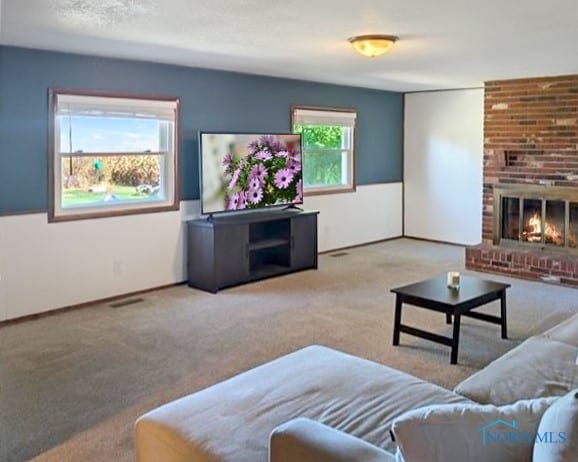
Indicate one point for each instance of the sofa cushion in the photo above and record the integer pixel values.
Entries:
(565, 332)
(232, 420)
(537, 367)
(304, 440)
(559, 431)
(470, 432)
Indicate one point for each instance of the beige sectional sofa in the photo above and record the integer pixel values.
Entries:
(543, 365)
(318, 404)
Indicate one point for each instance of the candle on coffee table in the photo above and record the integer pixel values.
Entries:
(453, 279)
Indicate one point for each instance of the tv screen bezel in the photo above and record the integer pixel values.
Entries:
(264, 207)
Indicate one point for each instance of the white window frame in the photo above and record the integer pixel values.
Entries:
(63, 102)
(309, 115)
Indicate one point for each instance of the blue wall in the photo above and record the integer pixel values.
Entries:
(210, 100)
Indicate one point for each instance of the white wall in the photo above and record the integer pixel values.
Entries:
(443, 156)
(47, 266)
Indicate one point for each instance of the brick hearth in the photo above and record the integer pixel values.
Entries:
(525, 264)
(530, 138)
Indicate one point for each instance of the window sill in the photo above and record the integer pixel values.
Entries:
(329, 190)
(89, 215)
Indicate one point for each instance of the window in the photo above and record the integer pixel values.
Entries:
(328, 148)
(111, 155)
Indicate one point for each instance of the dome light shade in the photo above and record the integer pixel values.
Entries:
(373, 45)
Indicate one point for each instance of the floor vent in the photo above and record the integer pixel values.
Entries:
(339, 254)
(128, 301)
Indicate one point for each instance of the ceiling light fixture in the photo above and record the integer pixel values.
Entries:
(373, 45)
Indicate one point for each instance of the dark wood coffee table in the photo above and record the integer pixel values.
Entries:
(433, 294)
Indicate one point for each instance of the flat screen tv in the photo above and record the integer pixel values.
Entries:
(244, 171)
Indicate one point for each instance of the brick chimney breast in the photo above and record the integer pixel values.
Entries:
(530, 138)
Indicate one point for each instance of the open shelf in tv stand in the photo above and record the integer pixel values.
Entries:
(233, 249)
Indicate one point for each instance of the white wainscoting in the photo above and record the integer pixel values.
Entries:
(372, 213)
(48, 266)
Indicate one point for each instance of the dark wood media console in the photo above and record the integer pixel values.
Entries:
(229, 250)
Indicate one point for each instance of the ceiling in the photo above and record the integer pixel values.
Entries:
(443, 43)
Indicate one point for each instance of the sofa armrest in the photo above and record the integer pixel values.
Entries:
(303, 440)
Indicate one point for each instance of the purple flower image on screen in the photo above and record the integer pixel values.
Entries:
(294, 165)
(283, 178)
(228, 159)
(263, 155)
(235, 178)
(242, 200)
(299, 197)
(255, 196)
(294, 155)
(267, 173)
(234, 202)
(254, 183)
(229, 163)
(299, 187)
(266, 139)
(259, 171)
(272, 142)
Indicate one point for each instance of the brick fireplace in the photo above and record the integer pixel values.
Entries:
(530, 196)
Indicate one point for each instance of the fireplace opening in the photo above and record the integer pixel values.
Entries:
(510, 218)
(532, 221)
(554, 232)
(550, 221)
(573, 225)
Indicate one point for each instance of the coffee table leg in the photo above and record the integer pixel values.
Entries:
(397, 321)
(503, 314)
(455, 339)
(448, 318)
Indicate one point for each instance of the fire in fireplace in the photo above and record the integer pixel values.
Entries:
(551, 219)
(533, 231)
(552, 230)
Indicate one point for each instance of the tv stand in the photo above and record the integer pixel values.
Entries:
(234, 249)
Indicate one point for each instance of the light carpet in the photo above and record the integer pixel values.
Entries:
(72, 384)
